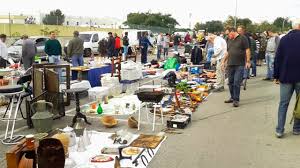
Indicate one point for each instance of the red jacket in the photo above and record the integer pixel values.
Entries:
(117, 43)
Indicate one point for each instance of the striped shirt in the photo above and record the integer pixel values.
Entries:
(257, 46)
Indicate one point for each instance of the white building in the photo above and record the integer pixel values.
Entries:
(14, 19)
(106, 22)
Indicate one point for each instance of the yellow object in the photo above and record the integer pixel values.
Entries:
(65, 140)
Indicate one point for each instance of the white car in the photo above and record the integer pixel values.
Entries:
(91, 40)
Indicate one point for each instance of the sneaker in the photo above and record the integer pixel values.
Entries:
(236, 104)
(252, 75)
(228, 101)
(296, 132)
(279, 135)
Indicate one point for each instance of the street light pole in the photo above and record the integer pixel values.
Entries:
(235, 15)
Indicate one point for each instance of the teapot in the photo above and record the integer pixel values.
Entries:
(70, 131)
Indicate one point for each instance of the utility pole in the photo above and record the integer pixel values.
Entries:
(235, 15)
(9, 24)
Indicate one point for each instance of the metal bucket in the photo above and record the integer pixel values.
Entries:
(43, 116)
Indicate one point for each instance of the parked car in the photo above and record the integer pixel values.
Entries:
(91, 40)
(15, 50)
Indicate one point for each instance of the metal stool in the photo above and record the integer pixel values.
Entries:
(15, 91)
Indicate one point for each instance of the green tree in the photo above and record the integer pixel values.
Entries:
(214, 26)
(246, 22)
(199, 26)
(264, 26)
(151, 19)
(282, 24)
(55, 17)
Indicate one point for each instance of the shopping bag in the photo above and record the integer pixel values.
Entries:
(171, 63)
(297, 108)
(296, 113)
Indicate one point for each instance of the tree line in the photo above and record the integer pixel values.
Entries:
(147, 19)
(280, 24)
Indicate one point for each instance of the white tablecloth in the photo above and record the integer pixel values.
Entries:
(100, 140)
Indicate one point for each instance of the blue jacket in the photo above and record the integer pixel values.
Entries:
(287, 59)
(144, 41)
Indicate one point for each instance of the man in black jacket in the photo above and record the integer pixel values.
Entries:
(177, 40)
(125, 43)
(286, 71)
(110, 45)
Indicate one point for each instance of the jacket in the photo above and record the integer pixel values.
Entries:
(29, 49)
(177, 40)
(144, 42)
(111, 44)
(53, 47)
(117, 43)
(125, 41)
(75, 47)
(287, 59)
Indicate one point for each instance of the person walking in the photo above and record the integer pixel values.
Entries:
(144, 44)
(29, 51)
(166, 45)
(254, 53)
(102, 47)
(117, 45)
(125, 44)
(177, 40)
(220, 49)
(187, 38)
(262, 49)
(110, 45)
(272, 45)
(53, 49)
(160, 41)
(75, 50)
(286, 71)
(236, 59)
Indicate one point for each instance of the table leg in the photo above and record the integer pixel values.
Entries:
(154, 115)
(9, 116)
(15, 116)
(139, 120)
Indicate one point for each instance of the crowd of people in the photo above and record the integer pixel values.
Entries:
(234, 54)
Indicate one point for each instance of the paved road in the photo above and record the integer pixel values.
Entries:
(221, 136)
(225, 137)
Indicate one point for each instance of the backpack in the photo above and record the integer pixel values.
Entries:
(296, 113)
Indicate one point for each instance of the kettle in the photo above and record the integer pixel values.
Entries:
(70, 131)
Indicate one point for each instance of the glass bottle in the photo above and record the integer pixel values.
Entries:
(99, 109)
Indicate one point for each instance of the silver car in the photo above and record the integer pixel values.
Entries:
(15, 50)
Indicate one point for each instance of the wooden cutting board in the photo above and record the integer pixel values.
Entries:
(147, 141)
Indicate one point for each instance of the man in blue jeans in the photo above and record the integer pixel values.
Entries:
(287, 72)
(271, 49)
(75, 50)
(54, 51)
(236, 59)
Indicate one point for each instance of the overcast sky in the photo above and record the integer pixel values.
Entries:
(201, 10)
